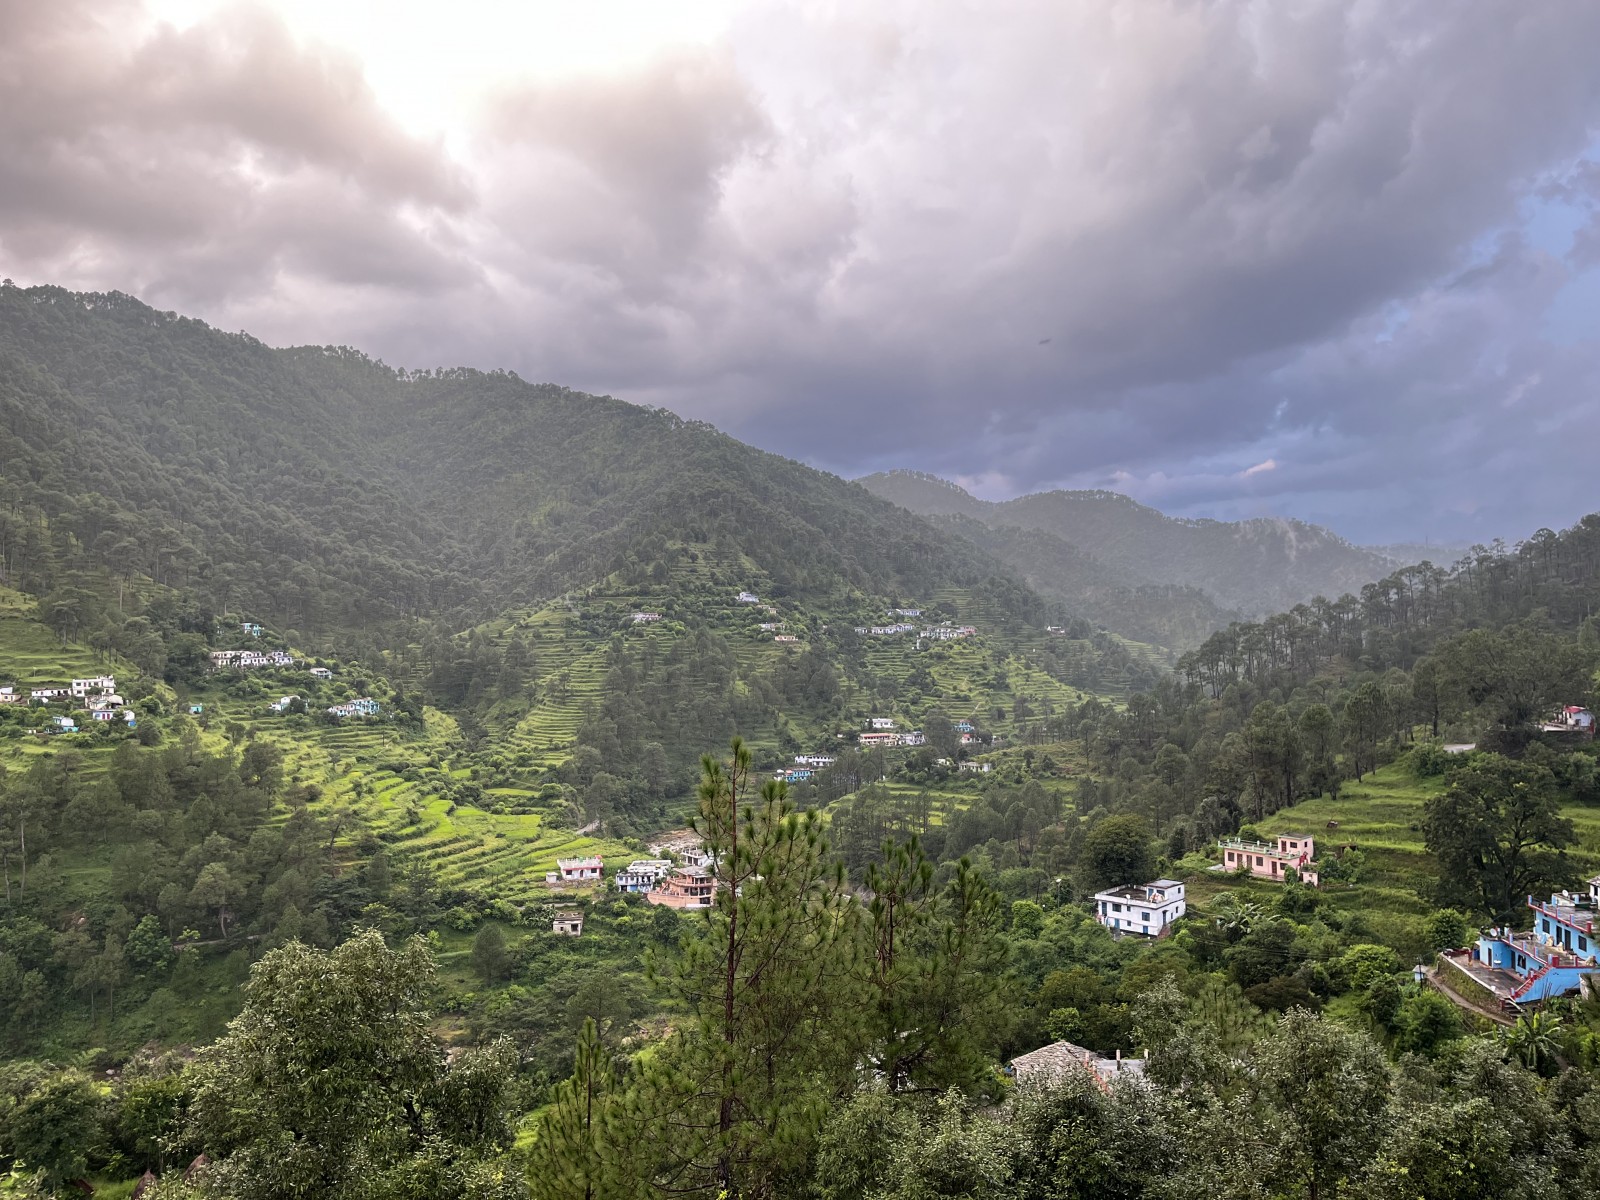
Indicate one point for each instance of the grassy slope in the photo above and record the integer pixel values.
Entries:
(1382, 816)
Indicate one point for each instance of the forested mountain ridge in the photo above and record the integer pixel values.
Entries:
(323, 490)
(1260, 565)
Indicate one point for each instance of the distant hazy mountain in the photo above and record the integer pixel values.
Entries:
(1259, 565)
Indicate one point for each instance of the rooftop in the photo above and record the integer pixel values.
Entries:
(1059, 1057)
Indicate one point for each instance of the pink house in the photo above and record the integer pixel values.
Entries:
(1294, 851)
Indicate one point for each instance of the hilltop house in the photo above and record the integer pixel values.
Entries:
(642, 874)
(785, 637)
(1147, 909)
(883, 722)
(1053, 1062)
(1293, 852)
(685, 887)
(905, 612)
(961, 726)
(10, 695)
(748, 598)
(792, 774)
(320, 673)
(94, 683)
(915, 738)
(1549, 960)
(567, 921)
(250, 627)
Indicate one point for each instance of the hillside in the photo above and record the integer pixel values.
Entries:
(1260, 565)
(326, 492)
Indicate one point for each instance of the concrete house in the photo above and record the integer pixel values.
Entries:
(878, 739)
(1146, 909)
(580, 870)
(642, 874)
(320, 673)
(883, 722)
(748, 598)
(94, 683)
(1293, 852)
(644, 618)
(685, 887)
(567, 921)
(1549, 960)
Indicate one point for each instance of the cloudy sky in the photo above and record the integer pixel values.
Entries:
(1338, 261)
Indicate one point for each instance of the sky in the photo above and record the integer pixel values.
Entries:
(1336, 261)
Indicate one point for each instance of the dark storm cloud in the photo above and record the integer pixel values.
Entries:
(202, 164)
(1230, 257)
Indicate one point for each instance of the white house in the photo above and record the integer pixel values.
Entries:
(64, 724)
(1147, 908)
(580, 870)
(883, 722)
(695, 856)
(905, 612)
(644, 618)
(915, 738)
(814, 760)
(320, 673)
(878, 739)
(977, 768)
(748, 598)
(642, 873)
(94, 683)
(785, 637)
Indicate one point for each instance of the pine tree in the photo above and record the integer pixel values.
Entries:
(572, 1157)
(735, 1099)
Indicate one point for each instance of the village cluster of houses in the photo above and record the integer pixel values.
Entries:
(363, 706)
(96, 694)
(689, 882)
(883, 733)
(932, 633)
(248, 660)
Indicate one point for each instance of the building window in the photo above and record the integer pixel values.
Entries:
(1583, 942)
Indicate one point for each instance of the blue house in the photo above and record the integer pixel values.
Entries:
(1549, 960)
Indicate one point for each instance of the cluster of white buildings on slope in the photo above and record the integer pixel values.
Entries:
(880, 737)
(247, 660)
(97, 694)
(364, 706)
